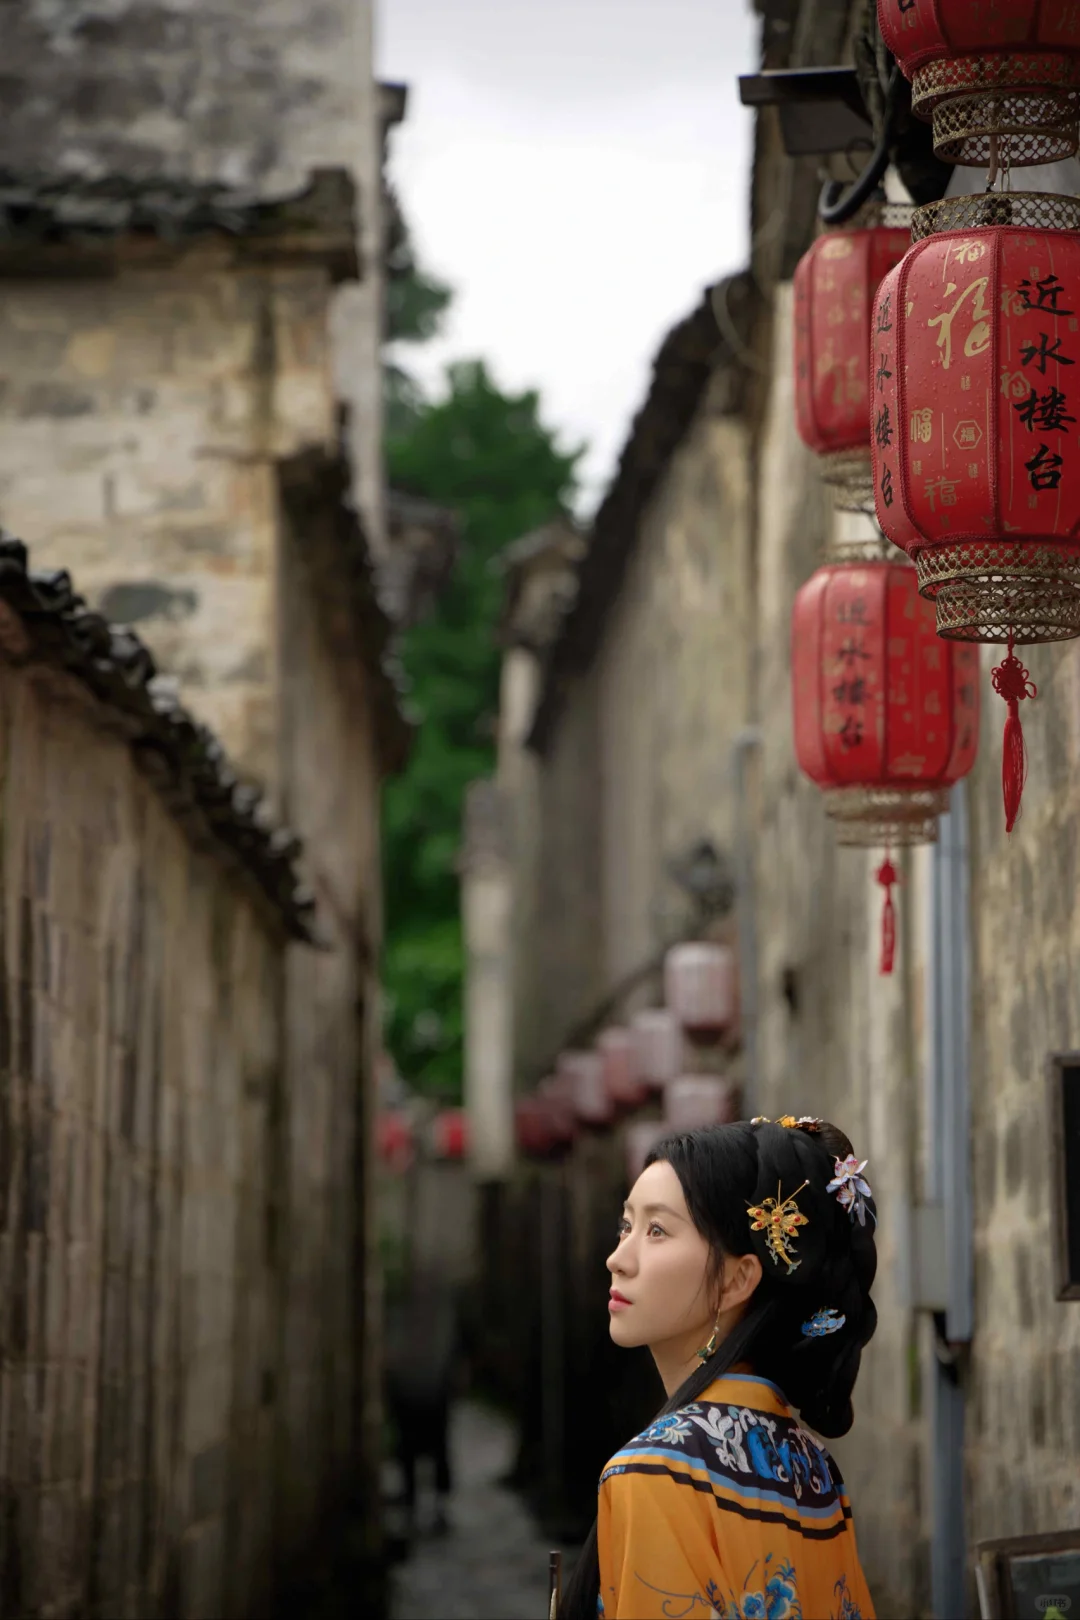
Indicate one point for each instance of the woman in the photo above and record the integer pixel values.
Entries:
(744, 1261)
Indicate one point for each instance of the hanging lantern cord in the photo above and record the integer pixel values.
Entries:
(888, 877)
(1012, 682)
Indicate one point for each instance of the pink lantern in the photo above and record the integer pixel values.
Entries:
(619, 1056)
(694, 1100)
(641, 1137)
(537, 1128)
(658, 1039)
(585, 1072)
(555, 1092)
(700, 986)
(450, 1133)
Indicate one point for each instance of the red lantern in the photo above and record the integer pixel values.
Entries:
(619, 1060)
(998, 79)
(695, 1100)
(976, 459)
(886, 714)
(835, 283)
(394, 1140)
(658, 1038)
(450, 1133)
(540, 1129)
(555, 1091)
(700, 988)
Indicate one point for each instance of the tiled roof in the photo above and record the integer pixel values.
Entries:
(70, 222)
(687, 358)
(48, 623)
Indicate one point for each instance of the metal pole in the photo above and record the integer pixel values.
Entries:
(746, 912)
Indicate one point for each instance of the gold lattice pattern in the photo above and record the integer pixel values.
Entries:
(1025, 102)
(1025, 127)
(1033, 210)
(852, 551)
(895, 216)
(990, 589)
(877, 817)
(850, 478)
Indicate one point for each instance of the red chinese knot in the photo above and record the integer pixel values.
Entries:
(835, 283)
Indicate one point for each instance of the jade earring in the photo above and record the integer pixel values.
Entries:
(710, 1348)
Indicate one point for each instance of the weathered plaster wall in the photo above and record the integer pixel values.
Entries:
(569, 957)
(833, 1037)
(1024, 1405)
(255, 95)
(330, 789)
(159, 1170)
(673, 673)
(140, 419)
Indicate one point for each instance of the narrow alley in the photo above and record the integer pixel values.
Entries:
(492, 1562)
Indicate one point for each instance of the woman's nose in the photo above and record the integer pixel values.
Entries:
(617, 1260)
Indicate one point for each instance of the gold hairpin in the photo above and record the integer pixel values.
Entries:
(805, 1122)
(780, 1221)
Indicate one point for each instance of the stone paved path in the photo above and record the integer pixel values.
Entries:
(492, 1563)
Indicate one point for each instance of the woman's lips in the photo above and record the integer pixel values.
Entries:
(616, 1302)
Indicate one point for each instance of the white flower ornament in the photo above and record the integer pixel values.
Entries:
(850, 1186)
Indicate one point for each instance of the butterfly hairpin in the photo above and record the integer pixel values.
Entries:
(780, 1220)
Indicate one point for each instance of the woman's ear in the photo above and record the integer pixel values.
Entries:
(741, 1275)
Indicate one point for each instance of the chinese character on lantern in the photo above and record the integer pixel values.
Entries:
(885, 713)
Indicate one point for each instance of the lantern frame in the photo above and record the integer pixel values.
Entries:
(1003, 88)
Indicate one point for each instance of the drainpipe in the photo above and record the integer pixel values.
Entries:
(948, 1186)
(746, 909)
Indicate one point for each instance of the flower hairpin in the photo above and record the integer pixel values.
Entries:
(851, 1187)
(823, 1322)
(780, 1221)
(805, 1122)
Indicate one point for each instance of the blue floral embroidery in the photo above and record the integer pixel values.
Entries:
(672, 1430)
(778, 1599)
(849, 1609)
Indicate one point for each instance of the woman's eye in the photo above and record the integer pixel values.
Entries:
(654, 1226)
(623, 1227)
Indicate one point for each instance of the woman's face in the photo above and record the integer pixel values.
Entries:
(659, 1267)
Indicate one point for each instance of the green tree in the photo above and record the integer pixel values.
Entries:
(416, 306)
(489, 456)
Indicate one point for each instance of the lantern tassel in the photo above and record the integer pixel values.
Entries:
(1011, 681)
(888, 877)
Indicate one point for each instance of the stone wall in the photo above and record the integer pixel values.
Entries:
(255, 95)
(162, 1170)
(140, 421)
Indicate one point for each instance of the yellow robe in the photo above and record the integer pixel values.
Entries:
(728, 1508)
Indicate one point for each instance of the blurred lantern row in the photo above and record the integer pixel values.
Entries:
(402, 1135)
(935, 377)
(644, 1062)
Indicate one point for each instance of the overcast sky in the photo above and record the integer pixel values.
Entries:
(579, 171)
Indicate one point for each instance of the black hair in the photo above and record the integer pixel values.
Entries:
(723, 1170)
